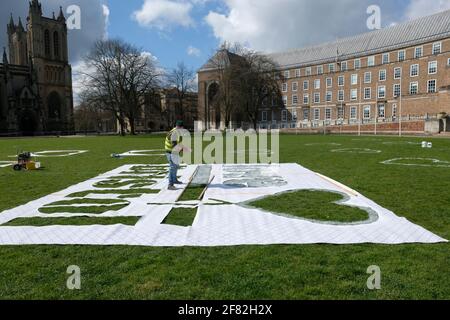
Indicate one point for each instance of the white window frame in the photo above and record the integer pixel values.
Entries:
(341, 84)
(416, 56)
(316, 114)
(329, 82)
(331, 67)
(285, 101)
(381, 106)
(294, 97)
(435, 68)
(367, 108)
(287, 74)
(306, 85)
(284, 116)
(433, 48)
(367, 90)
(308, 71)
(370, 77)
(411, 68)
(382, 71)
(305, 114)
(354, 94)
(329, 96)
(379, 92)
(298, 73)
(404, 55)
(395, 73)
(294, 86)
(341, 93)
(394, 90)
(353, 113)
(319, 70)
(383, 56)
(435, 86)
(316, 97)
(284, 87)
(328, 113)
(344, 63)
(371, 61)
(354, 79)
(317, 84)
(306, 98)
(394, 111)
(357, 64)
(416, 84)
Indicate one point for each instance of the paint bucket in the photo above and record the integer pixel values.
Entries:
(429, 145)
(424, 144)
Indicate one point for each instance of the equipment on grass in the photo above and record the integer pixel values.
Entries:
(25, 161)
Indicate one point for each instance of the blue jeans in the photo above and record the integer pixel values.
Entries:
(173, 170)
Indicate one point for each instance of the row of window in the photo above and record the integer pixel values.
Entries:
(414, 71)
(316, 112)
(385, 59)
(56, 44)
(367, 93)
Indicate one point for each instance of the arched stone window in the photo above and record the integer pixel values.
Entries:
(54, 106)
(56, 44)
(47, 42)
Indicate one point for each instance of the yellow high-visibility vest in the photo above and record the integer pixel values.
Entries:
(168, 144)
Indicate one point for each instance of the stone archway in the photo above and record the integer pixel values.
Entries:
(54, 106)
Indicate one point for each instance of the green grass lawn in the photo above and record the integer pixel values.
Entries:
(421, 194)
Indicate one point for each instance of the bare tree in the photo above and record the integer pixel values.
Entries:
(182, 80)
(117, 75)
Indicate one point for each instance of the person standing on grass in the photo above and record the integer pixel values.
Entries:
(173, 149)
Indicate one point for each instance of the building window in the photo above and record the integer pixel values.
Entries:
(47, 42)
(56, 44)
(341, 95)
(344, 66)
(285, 87)
(294, 114)
(397, 90)
(367, 112)
(381, 92)
(367, 93)
(367, 77)
(306, 114)
(381, 111)
(394, 110)
(308, 71)
(294, 99)
(306, 85)
(316, 114)
(414, 72)
(264, 116)
(340, 113)
(353, 113)
(329, 82)
(437, 47)
(371, 61)
(382, 75)
(329, 96)
(284, 115)
(327, 114)
(397, 73)
(357, 63)
(287, 74)
(294, 86)
(317, 84)
(285, 100)
(297, 73)
(432, 67)
(320, 70)
(306, 98)
(316, 97)
(385, 58)
(418, 52)
(401, 55)
(414, 88)
(341, 81)
(354, 94)
(354, 79)
(331, 67)
(431, 86)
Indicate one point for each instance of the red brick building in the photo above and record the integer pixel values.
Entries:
(381, 80)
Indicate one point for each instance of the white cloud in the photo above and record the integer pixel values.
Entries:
(268, 26)
(420, 8)
(193, 51)
(163, 14)
(106, 14)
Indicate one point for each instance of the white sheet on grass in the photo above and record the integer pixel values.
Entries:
(228, 224)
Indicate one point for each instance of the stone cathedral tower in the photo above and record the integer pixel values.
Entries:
(40, 99)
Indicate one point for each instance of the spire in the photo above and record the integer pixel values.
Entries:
(54, 18)
(20, 25)
(5, 57)
(11, 20)
(11, 25)
(36, 6)
(61, 15)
